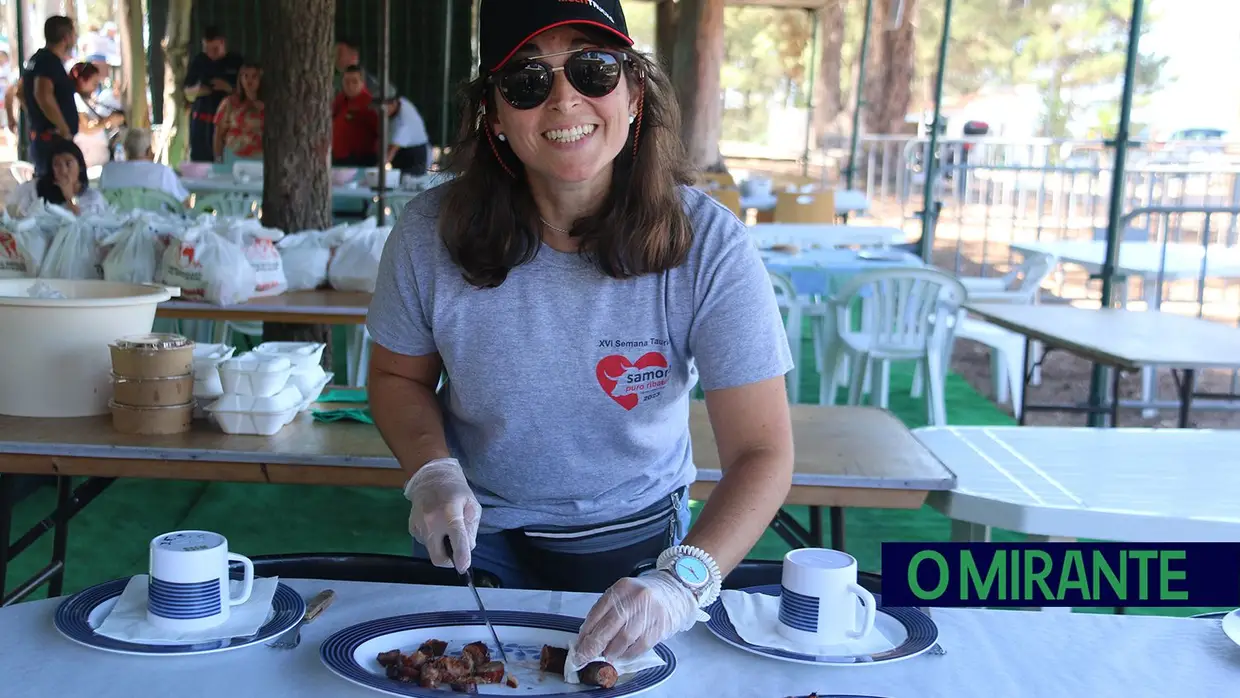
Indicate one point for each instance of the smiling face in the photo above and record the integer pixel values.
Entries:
(569, 138)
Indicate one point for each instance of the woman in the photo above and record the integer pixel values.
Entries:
(575, 289)
(96, 122)
(239, 120)
(65, 183)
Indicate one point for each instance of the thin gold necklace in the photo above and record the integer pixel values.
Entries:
(558, 230)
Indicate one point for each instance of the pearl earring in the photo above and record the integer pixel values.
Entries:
(632, 118)
(501, 136)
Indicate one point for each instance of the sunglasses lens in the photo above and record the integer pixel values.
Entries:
(593, 73)
(527, 85)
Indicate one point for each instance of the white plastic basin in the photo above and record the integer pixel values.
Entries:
(54, 358)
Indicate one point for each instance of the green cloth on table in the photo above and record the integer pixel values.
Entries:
(344, 396)
(357, 414)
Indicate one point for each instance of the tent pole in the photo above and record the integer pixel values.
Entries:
(851, 171)
(928, 217)
(1115, 213)
(385, 123)
(809, 112)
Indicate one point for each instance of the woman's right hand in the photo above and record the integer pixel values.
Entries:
(442, 505)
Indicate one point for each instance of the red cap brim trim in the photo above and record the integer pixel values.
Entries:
(600, 25)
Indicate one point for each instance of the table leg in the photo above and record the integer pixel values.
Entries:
(1033, 538)
(1186, 395)
(796, 535)
(6, 526)
(1116, 374)
(69, 502)
(837, 530)
(1030, 367)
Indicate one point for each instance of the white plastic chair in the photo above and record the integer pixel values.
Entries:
(357, 356)
(790, 307)
(143, 199)
(234, 204)
(1020, 285)
(897, 314)
(22, 171)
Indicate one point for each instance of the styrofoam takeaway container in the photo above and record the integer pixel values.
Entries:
(251, 374)
(305, 356)
(54, 355)
(251, 414)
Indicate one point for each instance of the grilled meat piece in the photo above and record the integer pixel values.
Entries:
(552, 659)
(387, 659)
(491, 672)
(433, 648)
(478, 652)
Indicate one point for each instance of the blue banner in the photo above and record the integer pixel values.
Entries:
(1061, 574)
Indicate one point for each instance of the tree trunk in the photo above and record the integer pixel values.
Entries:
(665, 15)
(297, 87)
(889, 85)
(698, 60)
(828, 97)
(176, 56)
(131, 20)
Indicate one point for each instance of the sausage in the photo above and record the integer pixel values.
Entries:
(598, 674)
(552, 659)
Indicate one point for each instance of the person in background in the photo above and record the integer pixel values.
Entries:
(94, 122)
(64, 181)
(211, 77)
(239, 121)
(139, 169)
(348, 55)
(408, 144)
(355, 123)
(48, 91)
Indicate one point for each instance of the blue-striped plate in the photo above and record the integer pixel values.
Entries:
(78, 616)
(910, 631)
(352, 653)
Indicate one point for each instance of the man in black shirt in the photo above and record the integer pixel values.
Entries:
(211, 77)
(47, 90)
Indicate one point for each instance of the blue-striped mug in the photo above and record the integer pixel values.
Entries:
(818, 601)
(188, 587)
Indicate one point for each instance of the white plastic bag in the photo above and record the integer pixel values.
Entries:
(259, 245)
(75, 253)
(355, 266)
(22, 248)
(207, 267)
(134, 254)
(306, 256)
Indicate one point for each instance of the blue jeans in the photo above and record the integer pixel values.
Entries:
(523, 561)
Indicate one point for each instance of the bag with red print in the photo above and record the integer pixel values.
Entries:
(259, 245)
(208, 267)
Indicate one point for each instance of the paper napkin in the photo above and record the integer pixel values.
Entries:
(646, 660)
(127, 620)
(756, 619)
(347, 414)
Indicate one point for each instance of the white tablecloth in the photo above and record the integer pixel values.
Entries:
(990, 654)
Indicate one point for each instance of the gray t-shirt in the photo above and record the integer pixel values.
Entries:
(568, 391)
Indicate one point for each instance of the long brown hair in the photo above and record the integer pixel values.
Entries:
(488, 219)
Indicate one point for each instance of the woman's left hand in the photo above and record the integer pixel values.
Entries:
(635, 614)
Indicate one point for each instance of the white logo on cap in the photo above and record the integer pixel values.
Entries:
(596, 6)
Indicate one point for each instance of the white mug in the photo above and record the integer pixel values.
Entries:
(188, 587)
(818, 601)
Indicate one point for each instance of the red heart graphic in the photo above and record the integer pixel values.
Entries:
(611, 368)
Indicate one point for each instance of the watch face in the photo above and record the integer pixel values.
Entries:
(692, 571)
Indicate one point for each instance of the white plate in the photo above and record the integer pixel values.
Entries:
(908, 631)
(1231, 625)
(352, 653)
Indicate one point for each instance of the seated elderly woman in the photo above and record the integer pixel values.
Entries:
(139, 169)
(65, 183)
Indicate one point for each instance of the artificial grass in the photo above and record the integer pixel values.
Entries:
(109, 538)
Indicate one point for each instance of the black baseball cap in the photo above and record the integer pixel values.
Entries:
(505, 25)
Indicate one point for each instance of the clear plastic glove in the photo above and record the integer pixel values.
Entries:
(635, 614)
(444, 506)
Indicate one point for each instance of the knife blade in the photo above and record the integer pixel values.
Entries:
(469, 579)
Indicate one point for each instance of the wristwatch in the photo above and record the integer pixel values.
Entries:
(695, 569)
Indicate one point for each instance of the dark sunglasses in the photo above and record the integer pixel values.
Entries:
(527, 83)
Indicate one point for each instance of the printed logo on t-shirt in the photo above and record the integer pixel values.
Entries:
(630, 382)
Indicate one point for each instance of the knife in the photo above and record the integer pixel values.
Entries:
(469, 579)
